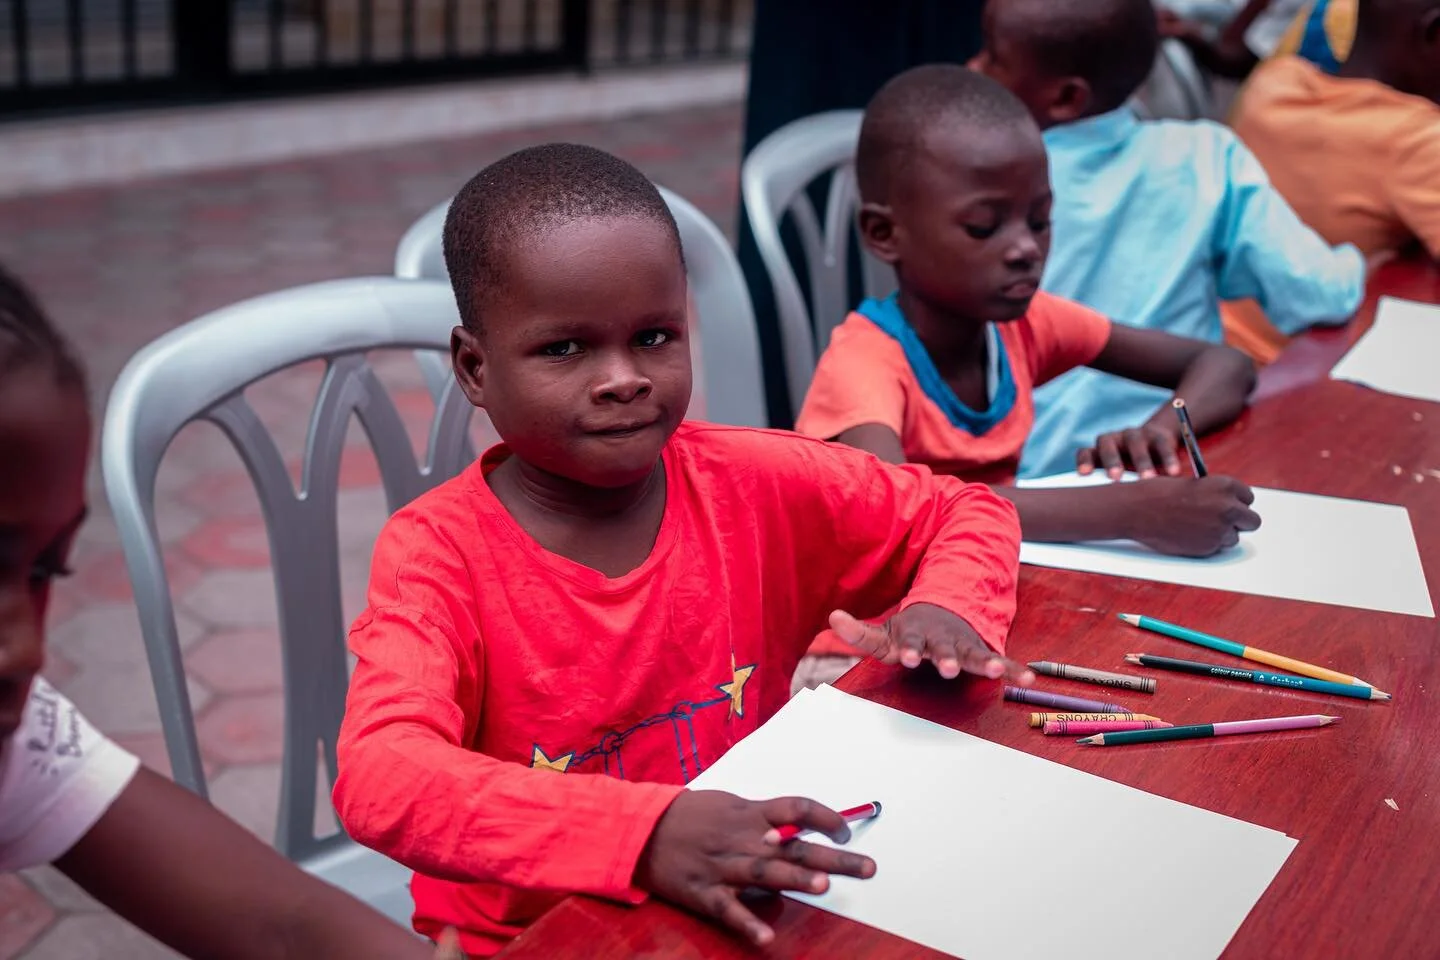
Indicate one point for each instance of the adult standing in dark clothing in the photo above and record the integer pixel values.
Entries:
(808, 56)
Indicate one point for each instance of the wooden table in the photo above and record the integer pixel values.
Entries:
(1364, 880)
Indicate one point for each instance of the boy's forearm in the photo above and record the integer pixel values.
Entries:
(1215, 389)
(1070, 515)
(971, 561)
(194, 879)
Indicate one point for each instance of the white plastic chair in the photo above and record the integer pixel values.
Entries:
(730, 346)
(199, 372)
(774, 181)
(1176, 89)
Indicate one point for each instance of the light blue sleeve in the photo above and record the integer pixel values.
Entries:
(1264, 252)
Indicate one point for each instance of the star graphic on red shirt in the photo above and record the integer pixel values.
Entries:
(735, 689)
(539, 761)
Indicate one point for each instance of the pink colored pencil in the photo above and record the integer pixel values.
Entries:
(1081, 728)
(1202, 730)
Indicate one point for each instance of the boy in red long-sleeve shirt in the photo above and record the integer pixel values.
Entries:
(563, 636)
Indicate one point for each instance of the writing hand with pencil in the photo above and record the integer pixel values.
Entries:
(923, 631)
(709, 845)
(1185, 517)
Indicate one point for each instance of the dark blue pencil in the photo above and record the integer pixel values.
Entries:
(1256, 676)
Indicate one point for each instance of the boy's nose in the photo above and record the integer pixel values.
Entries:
(1024, 251)
(622, 380)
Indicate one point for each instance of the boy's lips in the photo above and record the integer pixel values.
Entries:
(1020, 289)
(623, 428)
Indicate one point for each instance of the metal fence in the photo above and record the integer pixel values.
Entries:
(76, 54)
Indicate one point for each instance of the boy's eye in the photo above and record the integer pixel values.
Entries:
(980, 232)
(1040, 226)
(653, 338)
(563, 348)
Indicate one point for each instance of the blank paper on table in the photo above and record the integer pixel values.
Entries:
(1353, 553)
(1398, 354)
(977, 843)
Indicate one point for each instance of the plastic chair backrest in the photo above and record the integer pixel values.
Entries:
(1176, 89)
(199, 372)
(774, 181)
(730, 346)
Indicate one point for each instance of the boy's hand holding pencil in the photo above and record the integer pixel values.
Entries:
(924, 631)
(1185, 517)
(709, 845)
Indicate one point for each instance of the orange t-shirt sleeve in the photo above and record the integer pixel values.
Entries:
(1414, 186)
(855, 382)
(410, 786)
(1063, 335)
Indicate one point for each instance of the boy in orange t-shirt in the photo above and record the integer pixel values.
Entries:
(955, 195)
(564, 635)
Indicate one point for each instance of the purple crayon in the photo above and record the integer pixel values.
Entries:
(1059, 701)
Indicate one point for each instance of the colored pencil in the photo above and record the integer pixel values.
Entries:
(1081, 727)
(1240, 650)
(1187, 436)
(1043, 698)
(1255, 676)
(1040, 719)
(866, 811)
(1104, 678)
(1197, 731)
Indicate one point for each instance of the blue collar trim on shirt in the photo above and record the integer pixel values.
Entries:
(886, 315)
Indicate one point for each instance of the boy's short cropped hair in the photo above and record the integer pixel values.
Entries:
(529, 192)
(916, 101)
(1110, 44)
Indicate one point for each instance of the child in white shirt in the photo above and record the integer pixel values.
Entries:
(154, 853)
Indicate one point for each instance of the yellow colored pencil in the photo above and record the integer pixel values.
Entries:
(1241, 650)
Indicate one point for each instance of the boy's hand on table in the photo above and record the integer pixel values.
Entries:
(923, 631)
(1141, 449)
(1188, 518)
(709, 845)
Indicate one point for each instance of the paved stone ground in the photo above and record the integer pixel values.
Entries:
(119, 266)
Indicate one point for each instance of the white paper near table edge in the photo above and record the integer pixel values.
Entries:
(1397, 354)
(818, 741)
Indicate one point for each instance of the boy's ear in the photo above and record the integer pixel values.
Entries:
(877, 231)
(1070, 99)
(467, 357)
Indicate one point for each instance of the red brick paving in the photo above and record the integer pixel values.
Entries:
(117, 267)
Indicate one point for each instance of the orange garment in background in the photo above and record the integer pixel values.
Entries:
(517, 722)
(1357, 160)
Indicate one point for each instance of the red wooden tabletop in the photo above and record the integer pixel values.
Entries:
(1364, 880)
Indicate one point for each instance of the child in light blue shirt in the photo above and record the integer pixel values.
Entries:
(1154, 222)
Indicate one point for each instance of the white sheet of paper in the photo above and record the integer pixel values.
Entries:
(989, 853)
(1397, 354)
(1352, 553)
